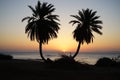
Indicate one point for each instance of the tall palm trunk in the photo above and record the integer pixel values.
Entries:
(40, 51)
(78, 48)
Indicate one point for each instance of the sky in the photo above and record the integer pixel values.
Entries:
(12, 30)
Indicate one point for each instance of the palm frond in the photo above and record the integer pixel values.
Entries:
(52, 17)
(31, 19)
(76, 16)
(74, 22)
(29, 26)
(97, 31)
(93, 14)
(26, 18)
(39, 4)
(81, 15)
(97, 22)
(50, 6)
(33, 10)
(96, 26)
(94, 18)
(90, 12)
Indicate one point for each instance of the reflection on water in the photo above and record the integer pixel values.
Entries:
(87, 57)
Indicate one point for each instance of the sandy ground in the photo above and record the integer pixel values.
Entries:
(36, 70)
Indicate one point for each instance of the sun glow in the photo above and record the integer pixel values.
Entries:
(63, 50)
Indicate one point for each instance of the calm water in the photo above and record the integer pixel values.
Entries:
(88, 57)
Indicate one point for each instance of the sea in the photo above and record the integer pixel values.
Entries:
(85, 57)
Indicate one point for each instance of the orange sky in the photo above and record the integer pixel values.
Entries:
(13, 37)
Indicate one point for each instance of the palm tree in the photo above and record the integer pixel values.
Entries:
(86, 22)
(42, 25)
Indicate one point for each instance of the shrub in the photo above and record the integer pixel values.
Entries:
(5, 57)
(67, 62)
(117, 59)
(105, 62)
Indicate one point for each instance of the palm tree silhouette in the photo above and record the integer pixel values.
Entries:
(42, 25)
(87, 22)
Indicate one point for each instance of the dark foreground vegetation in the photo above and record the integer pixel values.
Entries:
(107, 62)
(64, 68)
(5, 57)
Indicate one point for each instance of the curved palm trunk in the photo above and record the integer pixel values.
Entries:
(78, 48)
(40, 50)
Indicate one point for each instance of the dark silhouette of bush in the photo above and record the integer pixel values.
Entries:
(117, 60)
(67, 62)
(106, 62)
(5, 57)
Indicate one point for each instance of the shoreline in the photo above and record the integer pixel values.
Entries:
(89, 58)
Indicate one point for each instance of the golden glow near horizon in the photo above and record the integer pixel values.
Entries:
(13, 37)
